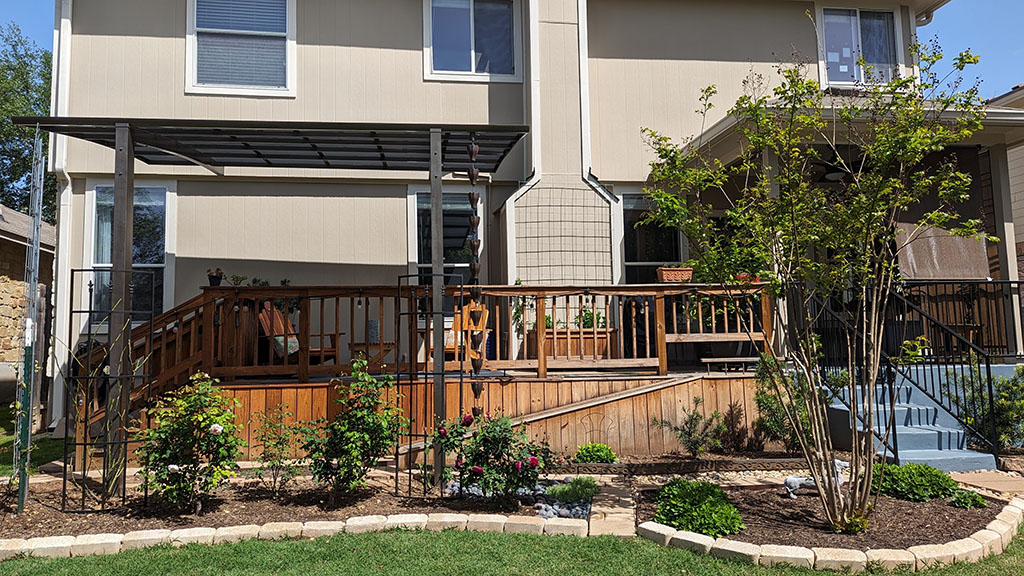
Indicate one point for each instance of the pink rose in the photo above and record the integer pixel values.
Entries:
(519, 465)
(534, 461)
(458, 462)
(478, 470)
(467, 420)
(442, 431)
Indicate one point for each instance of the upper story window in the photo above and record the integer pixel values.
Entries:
(243, 47)
(472, 40)
(852, 34)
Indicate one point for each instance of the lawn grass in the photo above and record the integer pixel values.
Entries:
(44, 448)
(445, 553)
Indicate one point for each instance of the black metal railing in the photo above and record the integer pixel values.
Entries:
(986, 313)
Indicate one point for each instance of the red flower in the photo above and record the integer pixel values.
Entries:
(442, 431)
(478, 470)
(458, 462)
(467, 420)
(519, 465)
(534, 461)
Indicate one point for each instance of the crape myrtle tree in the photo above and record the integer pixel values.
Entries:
(815, 240)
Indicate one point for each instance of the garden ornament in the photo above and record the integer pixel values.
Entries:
(794, 483)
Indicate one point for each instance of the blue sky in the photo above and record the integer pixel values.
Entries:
(990, 28)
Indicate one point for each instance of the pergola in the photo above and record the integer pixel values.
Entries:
(219, 144)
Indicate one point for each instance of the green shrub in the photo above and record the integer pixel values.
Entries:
(595, 453)
(772, 424)
(696, 432)
(969, 393)
(274, 443)
(968, 499)
(342, 451)
(497, 456)
(581, 488)
(913, 482)
(191, 446)
(700, 507)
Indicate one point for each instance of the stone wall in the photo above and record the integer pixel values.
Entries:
(12, 296)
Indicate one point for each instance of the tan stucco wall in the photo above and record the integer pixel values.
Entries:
(358, 61)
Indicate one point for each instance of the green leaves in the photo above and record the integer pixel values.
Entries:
(192, 446)
(696, 432)
(595, 452)
(700, 507)
(913, 482)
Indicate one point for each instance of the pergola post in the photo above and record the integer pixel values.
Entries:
(121, 369)
(1007, 248)
(437, 289)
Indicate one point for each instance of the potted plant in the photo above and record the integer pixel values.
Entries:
(675, 274)
(215, 276)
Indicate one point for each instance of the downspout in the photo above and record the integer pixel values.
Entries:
(62, 257)
(535, 133)
(586, 165)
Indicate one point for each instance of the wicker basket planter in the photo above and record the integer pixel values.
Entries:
(674, 275)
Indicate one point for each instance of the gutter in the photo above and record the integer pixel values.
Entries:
(58, 153)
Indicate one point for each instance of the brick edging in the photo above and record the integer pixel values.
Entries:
(988, 542)
(97, 544)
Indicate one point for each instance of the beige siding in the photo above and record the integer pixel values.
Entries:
(649, 59)
(560, 88)
(1015, 156)
(358, 61)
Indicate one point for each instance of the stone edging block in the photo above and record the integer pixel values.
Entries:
(486, 523)
(361, 524)
(145, 539)
(795, 556)
(892, 560)
(50, 546)
(932, 555)
(319, 529)
(192, 536)
(11, 548)
(406, 522)
(524, 525)
(229, 534)
(280, 530)
(732, 549)
(96, 544)
(840, 559)
(658, 533)
(692, 541)
(444, 521)
(991, 542)
(566, 527)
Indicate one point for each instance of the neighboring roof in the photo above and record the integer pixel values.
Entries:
(1015, 97)
(17, 227)
(217, 144)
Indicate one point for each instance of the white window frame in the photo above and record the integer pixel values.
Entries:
(192, 85)
(170, 233)
(897, 23)
(684, 252)
(449, 75)
(413, 232)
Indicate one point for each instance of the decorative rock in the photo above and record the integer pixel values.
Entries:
(438, 522)
(932, 556)
(50, 546)
(361, 524)
(733, 550)
(892, 560)
(145, 539)
(657, 533)
(839, 559)
(991, 542)
(11, 548)
(320, 529)
(1005, 531)
(192, 536)
(406, 522)
(236, 533)
(966, 550)
(795, 556)
(280, 530)
(524, 525)
(486, 522)
(692, 541)
(566, 527)
(96, 544)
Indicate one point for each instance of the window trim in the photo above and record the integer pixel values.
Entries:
(192, 85)
(897, 12)
(412, 223)
(170, 233)
(455, 76)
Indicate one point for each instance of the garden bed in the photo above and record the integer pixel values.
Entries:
(678, 463)
(237, 504)
(771, 518)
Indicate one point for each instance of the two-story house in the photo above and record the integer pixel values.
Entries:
(582, 77)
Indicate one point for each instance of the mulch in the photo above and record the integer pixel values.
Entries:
(712, 456)
(233, 505)
(772, 518)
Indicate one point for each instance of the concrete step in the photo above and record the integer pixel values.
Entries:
(928, 438)
(949, 460)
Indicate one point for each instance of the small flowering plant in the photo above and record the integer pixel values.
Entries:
(191, 447)
(496, 455)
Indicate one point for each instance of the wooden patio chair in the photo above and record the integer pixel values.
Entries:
(285, 338)
(374, 350)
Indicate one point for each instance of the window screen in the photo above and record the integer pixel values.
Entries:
(242, 43)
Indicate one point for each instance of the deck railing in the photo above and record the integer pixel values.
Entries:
(295, 333)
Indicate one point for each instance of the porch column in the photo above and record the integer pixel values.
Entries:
(121, 370)
(437, 288)
(1002, 202)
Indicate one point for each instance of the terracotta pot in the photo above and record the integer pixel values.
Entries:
(747, 277)
(674, 275)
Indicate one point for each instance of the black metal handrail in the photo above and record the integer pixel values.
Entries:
(952, 371)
